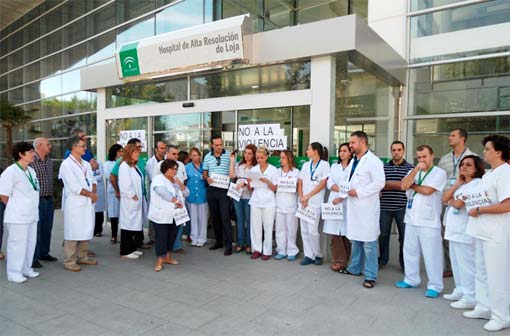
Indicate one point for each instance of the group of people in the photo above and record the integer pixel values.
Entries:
(366, 197)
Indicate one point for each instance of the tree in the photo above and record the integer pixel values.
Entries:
(10, 117)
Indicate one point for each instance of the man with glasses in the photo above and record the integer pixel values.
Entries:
(80, 133)
(218, 161)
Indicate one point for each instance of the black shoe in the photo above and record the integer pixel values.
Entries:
(48, 258)
(36, 264)
(215, 247)
(227, 253)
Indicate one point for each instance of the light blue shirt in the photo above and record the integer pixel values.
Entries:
(196, 184)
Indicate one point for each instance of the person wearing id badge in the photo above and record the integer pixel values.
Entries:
(425, 184)
(338, 184)
(311, 188)
(489, 224)
(286, 222)
(19, 191)
(450, 164)
(196, 202)
(79, 213)
(462, 246)
(366, 180)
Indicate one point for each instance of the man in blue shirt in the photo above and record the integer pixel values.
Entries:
(83, 136)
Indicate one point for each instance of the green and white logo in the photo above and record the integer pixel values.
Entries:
(129, 60)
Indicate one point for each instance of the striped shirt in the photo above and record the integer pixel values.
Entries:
(392, 200)
(218, 165)
(44, 172)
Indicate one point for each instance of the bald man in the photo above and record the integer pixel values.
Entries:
(43, 166)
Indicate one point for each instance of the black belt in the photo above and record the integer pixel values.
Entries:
(46, 197)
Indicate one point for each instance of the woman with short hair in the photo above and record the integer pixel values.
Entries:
(196, 202)
(19, 191)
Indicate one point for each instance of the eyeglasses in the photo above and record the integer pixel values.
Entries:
(218, 160)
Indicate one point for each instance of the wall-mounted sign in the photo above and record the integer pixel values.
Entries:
(124, 137)
(199, 47)
(270, 136)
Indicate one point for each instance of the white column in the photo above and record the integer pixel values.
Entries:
(322, 110)
(101, 125)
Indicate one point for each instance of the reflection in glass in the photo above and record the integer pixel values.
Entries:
(75, 57)
(31, 92)
(71, 81)
(136, 31)
(113, 128)
(182, 15)
(51, 86)
(101, 20)
(129, 9)
(75, 32)
(77, 102)
(316, 10)
(51, 65)
(101, 47)
(51, 107)
(425, 4)
(31, 72)
(32, 52)
(15, 78)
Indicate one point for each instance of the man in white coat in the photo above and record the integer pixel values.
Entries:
(79, 198)
(366, 179)
(425, 184)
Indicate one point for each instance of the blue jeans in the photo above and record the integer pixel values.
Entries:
(2, 209)
(242, 209)
(178, 243)
(44, 227)
(386, 219)
(364, 252)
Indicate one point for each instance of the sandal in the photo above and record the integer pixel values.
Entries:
(248, 250)
(113, 240)
(238, 249)
(345, 271)
(170, 261)
(369, 283)
(158, 267)
(2, 255)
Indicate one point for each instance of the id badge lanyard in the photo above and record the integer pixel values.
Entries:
(313, 170)
(420, 181)
(83, 170)
(30, 178)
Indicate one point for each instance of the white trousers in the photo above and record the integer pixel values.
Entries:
(262, 218)
(198, 214)
(493, 277)
(311, 238)
(462, 257)
(286, 226)
(20, 248)
(428, 241)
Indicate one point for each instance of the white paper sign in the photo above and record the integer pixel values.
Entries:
(270, 136)
(220, 181)
(344, 189)
(233, 193)
(181, 216)
(476, 199)
(254, 177)
(307, 214)
(125, 136)
(331, 211)
(287, 184)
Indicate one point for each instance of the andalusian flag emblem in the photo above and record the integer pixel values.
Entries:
(129, 60)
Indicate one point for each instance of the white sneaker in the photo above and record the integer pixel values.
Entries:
(477, 314)
(452, 296)
(494, 325)
(130, 256)
(138, 253)
(461, 304)
(32, 274)
(184, 237)
(200, 244)
(194, 243)
(18, 279)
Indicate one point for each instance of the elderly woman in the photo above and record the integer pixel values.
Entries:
(196, 202)
(112, 199)
(132, 204)
(167, 195)
(490, 225)
(19, 191)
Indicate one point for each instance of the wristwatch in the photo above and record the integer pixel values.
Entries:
(478, 211)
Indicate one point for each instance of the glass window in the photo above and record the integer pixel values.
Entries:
(71, 81)
(315, 10)
(16, 96)
(273, 78)
(135, 31)
(15, 78)
(113, 128)
(75, 32)
(465, 17)
(182, 15)
(15, 40)
(51, 86)
(51, 107)
(77, 102)
(14, 60)
(101, 47)
(3, 83)
(233, 8)
(359, 7)
(130, 9)
(73, 9)
(425, 4)
(32, 52)
(51, 65)
(161, 92)
(33, 110)
(33, 31)
(75, 57)
(51, 43)
(31, 92)
(32, 72)
(473, 86)
(51, 20)
(101, 20)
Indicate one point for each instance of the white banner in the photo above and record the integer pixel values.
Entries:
(181, 216)
(270, 136)
(476, 199)
(220, 181)
(287, 184)
(233, 193)
(125, 136)
(331, 211)
(344, 189)
(307, 214)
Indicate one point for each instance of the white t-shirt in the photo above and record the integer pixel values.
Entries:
(495, 188)
(23, 204)
(262, 196)
(241, 171)
(456, 220)
(319, 174)
(426, 210)
(286, 202)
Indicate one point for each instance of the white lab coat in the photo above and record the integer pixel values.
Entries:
(149, 167)
(99, 177)
(132, 213)
(363, 211)
(79, 213)
(337, 175)
(111, 199)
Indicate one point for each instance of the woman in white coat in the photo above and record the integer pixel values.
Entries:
(112, 199)
(462, 246)
(338, 184)
(19, 191)
(286, 223)
(490, 225)
(132, 204)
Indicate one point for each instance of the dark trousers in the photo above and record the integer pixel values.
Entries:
(386, 219)
(2, 209)
(98, 227)
(129, 241)
(165, 237)
(114, 221)
(219, 211)
(340, 250)
(44, 227)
